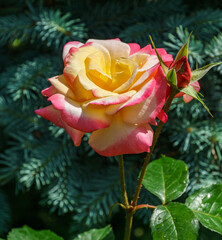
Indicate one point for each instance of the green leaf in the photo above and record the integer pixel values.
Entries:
(189, 90)
(174, 221)
(162, 63)
(97, 234)
(206, 204)
(166, 178)
(200, 72)
(184, 50)
(172, 77)
(27, 233)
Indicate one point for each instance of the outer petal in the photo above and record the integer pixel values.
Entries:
(147, 49)
(54, 116)
(162, 116)
(167, 58)
(69, 45)
(151, 61)
(86, 120)
(48, 92)
(134, 47)
(122, 138)
(188, 98)
(150, 107)
(116, 49)
(61, 85)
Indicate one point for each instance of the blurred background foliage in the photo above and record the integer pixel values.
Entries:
(48, 183)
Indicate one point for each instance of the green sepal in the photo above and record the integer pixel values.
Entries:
(206, 205)
(162, 64)
(197, 74)
(184, 50)
(172, 77)
(189, 90)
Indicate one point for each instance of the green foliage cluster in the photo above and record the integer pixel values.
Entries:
(174, 220)
(27, 233)
(76, 182)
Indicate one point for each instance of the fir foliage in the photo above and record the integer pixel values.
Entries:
(5, 214)
(76, 182)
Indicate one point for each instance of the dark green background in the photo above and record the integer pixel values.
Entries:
(48, 183)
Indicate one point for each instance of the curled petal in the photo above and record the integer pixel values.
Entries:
(151, 107)
(122, 138)
(112, 100)
(138, 97)
(84, 89)
(126, 84)
(76, 62)
(72, 50)
(142, 94)
(87, 120)
(69, 45)
(54, 116)
(151, 62)
(157, 81)
(183, 72)
(97, 67)
(143, 77)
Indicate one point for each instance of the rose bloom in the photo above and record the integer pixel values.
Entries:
(111, 89)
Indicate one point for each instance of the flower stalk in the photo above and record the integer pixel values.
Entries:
(128, 226)
(133, 207)
(122, 181)
(148, 156)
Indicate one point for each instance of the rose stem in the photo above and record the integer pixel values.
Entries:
(122, 181)
(128, 226)
(129, 216)
(130, 209)
(148, 156)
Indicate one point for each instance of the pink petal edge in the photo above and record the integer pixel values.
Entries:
(122, 139)
(54, 116)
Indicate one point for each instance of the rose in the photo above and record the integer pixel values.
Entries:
(183, 73)
(111, 89)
